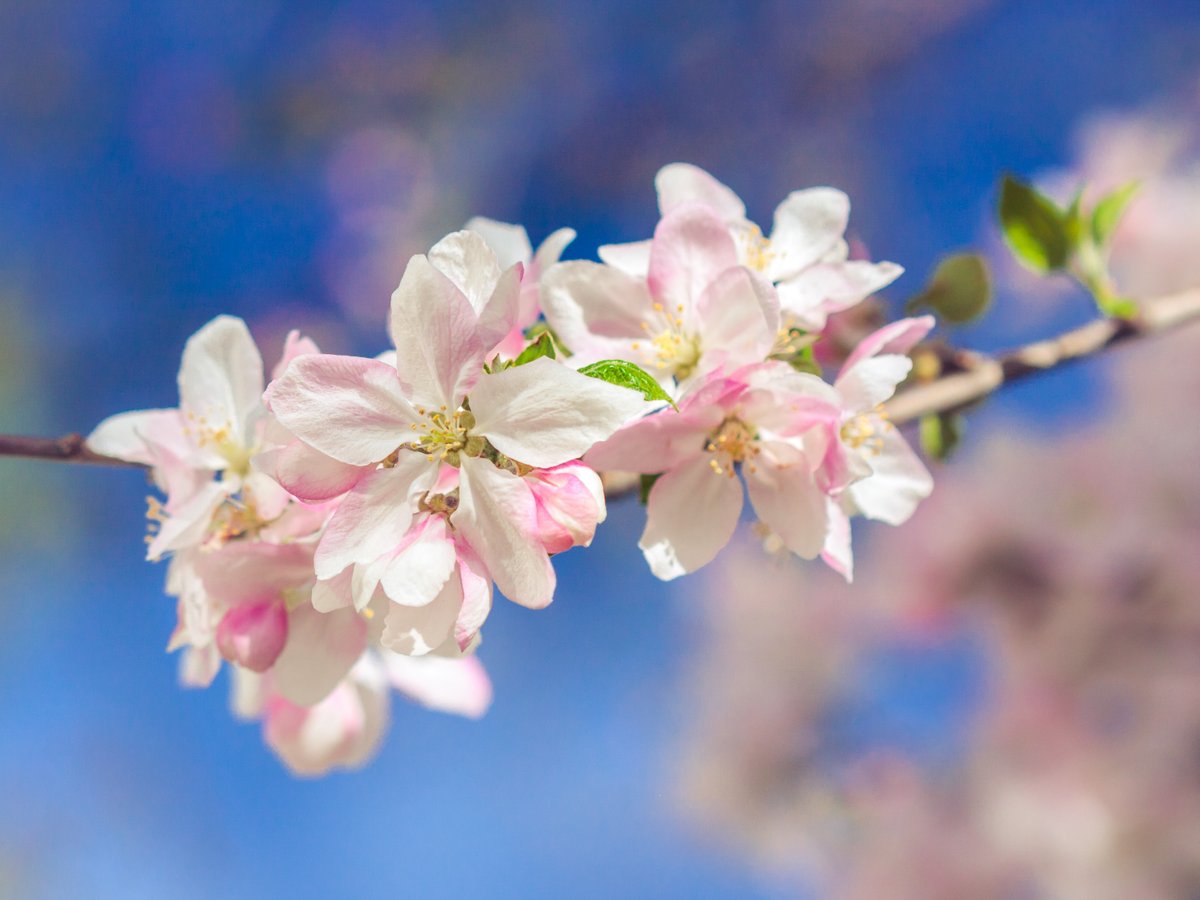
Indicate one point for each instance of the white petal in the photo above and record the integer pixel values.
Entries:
(418, 573)
(133, 436)
(692, 246)
(596, 310)
(544, 413)
(350, 408)
(632, 259)
(679, 183)
(871, 381)
(417, 630)
(838, 553)
(827, 288)
(551, 250)
(321, 648)
(510, 243)
(333, 593)
(497, 516)
(187, 526)
(898, 482)
(691, 514)
(786, 497)
(459, 686)
(808, 224)
(221, 378)
(466, 259)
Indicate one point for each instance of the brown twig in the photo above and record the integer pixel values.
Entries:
(977, 377)
(71, 448)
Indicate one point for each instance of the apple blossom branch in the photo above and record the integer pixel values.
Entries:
(968, 378)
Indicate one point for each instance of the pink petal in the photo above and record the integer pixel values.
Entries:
(495, 514)
(311, 475)
(738, 315)
(596, 310)
(294, 345)
(375, 515)
(439, 352)
(253, 634)
(349, 408)
(897, 337)
(681, 183)
(692, 246)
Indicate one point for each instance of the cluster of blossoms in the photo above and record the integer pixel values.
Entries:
(341, 530)
(1075, 775)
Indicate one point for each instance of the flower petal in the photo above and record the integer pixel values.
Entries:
(321, 648)
(826, 288)
(187, 525)
(509, 243)
(837, 553)
(497, 516)
(350, 408)
(466, 259)
(311, 475)
(691, 514)
(417, 574)
(897, 337)
(434, 326)
(596, 310)
(544, 413)
(656, 443)
(787, 498)
(293, 345)
(871, 381)
(681, 183)
(551, 249)
(738, 314)
(898, 481)
(375, 515)
(692, 246)
(459, 686)
(808, 224)
(632, 259)
(418, 630)
(221, 378)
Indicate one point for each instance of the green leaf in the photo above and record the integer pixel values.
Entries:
(940, 434)
(629, 375)
(1036, 230)
(644, 485)
(1118, 307)
(1107, 214)
(959, 291)
(543, 346)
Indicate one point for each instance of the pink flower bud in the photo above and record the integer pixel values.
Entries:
(570, 503)
(253, 634)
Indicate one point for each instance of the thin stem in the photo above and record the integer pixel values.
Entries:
(978, 377)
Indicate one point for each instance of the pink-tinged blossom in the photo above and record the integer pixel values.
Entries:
(768, 420)
(693, 309)
(345, 728)
(200, 453)
(511, 245)
(570, 504)
(805, 255)
(450, 310)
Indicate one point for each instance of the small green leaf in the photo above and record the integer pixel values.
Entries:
(543, 346)
(1107, 214)
(1036, 230)
(629, 375)
(940, 434)
(644, 485)
(959, 291)
(1118, 307)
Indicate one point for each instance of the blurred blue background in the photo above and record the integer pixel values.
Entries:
(163, 163)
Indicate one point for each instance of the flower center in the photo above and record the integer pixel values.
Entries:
(445, 434)
(755, 248)
(670, 348)
(220, 438)
(865, 431)
(733, 441)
